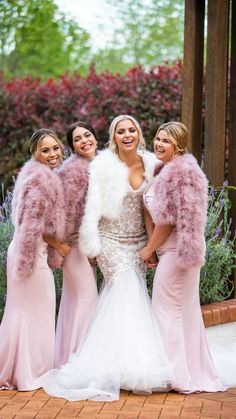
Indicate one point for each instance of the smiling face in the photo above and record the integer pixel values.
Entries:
(126, 136)
(163, 147)
(84, 142)
(49, 152)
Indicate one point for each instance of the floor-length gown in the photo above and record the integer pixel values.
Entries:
(175, 302)
(27, 331)
(223, 351)
(78, 298)
(122, 348)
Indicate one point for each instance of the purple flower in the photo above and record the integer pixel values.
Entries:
(217, 233)
(222, 202)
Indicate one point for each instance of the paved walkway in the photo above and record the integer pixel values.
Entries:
(37, 404)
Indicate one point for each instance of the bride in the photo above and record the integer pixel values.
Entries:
(123, 347)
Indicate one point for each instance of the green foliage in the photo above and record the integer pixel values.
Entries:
(6, 232)
(36, 39)
(58, 279)
(148, 33)
(215, 284)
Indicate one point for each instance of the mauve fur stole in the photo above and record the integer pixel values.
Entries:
(108, 185)
(37, 209)
(180, 198)
(74, 176)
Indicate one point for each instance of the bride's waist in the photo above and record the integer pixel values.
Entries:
(126, 237)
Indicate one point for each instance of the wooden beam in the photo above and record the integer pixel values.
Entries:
(232, 122)
(193, 73)
(216, 90)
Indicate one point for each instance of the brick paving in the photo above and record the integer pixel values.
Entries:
(37, 404)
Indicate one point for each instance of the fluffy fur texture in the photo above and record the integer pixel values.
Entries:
(74, 177)
(180, 198)
(108, 185)
(37, 209)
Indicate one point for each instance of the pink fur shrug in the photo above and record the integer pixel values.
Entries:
(180, 199)
(37, 209)
(74, 177)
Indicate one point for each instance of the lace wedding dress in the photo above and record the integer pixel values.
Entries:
(123, 347)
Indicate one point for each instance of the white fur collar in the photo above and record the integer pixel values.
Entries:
(109, 160)
(108, 185)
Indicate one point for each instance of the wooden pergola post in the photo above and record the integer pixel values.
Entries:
(232, 122)
(193, 73)
(216, 90)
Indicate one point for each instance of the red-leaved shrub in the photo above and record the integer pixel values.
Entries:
(152, 96)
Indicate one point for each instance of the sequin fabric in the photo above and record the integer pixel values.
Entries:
(123, 237)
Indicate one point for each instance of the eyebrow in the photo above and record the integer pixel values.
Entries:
(80, 135)
(118, 129)
(47, 148)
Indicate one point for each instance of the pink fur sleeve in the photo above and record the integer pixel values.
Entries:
(180, 199)
(191, 213)
(163, 209)
(30, 229)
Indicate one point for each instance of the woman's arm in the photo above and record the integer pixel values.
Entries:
(62, 248)
(149, 225)
(159, 236)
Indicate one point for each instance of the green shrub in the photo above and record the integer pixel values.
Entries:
(6, 232)
(215, 284)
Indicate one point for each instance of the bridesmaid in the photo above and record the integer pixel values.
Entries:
(27, 331)
(177, 200)
(79, 292)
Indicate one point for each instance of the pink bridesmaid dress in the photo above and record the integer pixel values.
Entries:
(27, 330)
(79, 292)
(79, 295)
(175, 302)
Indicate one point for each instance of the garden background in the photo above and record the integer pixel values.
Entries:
(53, 75)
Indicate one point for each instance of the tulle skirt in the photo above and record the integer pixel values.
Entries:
(222, 342)
(122, 349)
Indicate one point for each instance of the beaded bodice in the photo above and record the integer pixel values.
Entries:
(123, 237)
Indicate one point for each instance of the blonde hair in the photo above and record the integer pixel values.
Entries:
(112, 144)
(178, 135)
(37, 138)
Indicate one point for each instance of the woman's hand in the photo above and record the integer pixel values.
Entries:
(93, 262)
(152, 261)
(145, 253)
(63, 249)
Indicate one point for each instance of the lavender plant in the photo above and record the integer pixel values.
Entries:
(215, 283)
(6, 233)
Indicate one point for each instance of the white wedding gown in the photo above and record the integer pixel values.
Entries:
(222, 343)
(123, 347)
